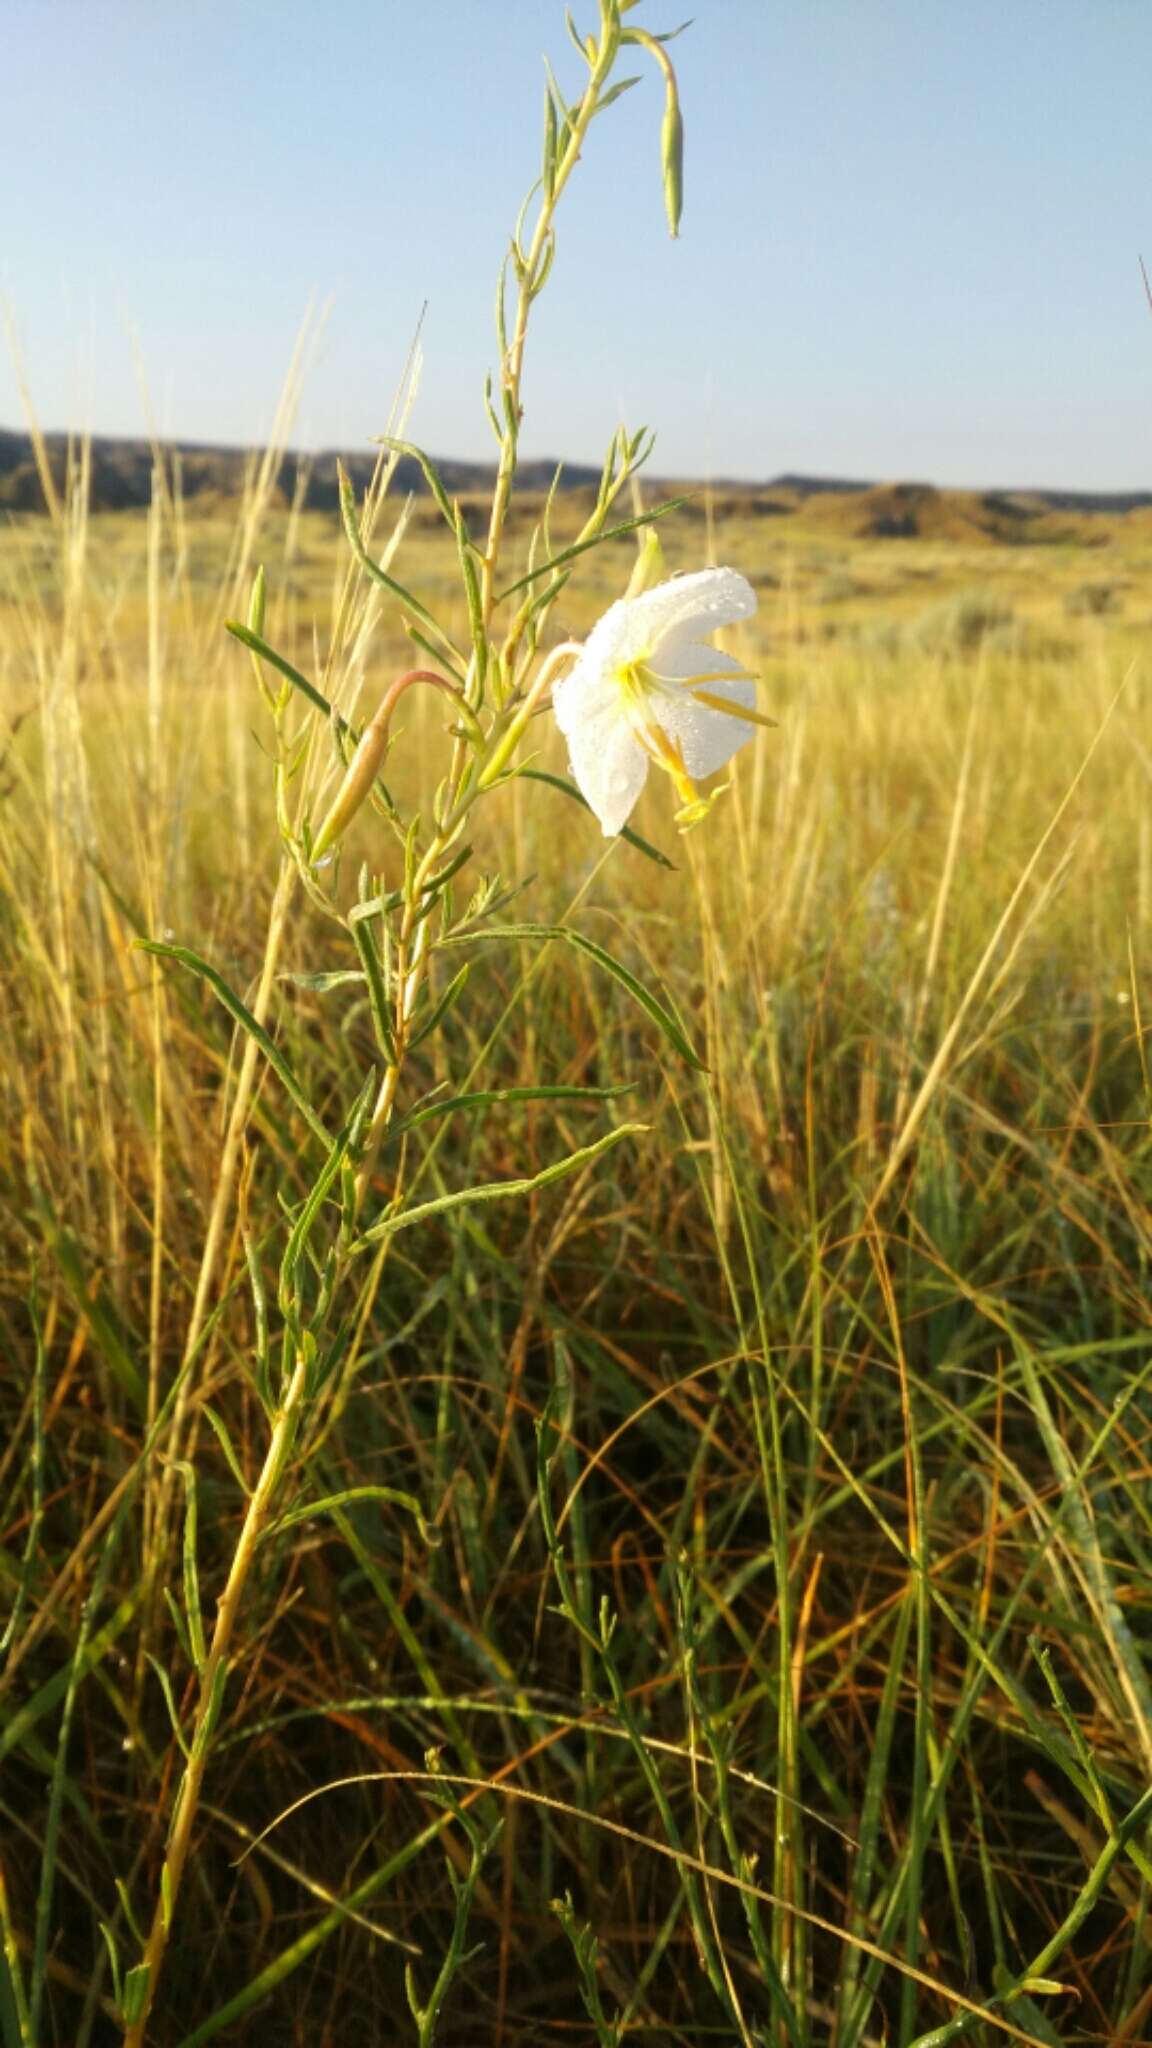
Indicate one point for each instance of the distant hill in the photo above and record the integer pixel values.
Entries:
(122, 479)
(122, 473)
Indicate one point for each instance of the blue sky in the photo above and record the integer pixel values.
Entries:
(910, 241)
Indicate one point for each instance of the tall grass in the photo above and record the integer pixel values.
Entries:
(705, 1601)
(820, 1334)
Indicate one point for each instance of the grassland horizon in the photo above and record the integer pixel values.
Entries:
(34, 464)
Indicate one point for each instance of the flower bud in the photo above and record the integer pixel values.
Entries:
(672, 131)
(672, 148)
(650, 567)
(359, 776)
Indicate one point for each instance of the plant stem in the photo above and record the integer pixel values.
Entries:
(212, 1681)
(511, 369)
(409, 981)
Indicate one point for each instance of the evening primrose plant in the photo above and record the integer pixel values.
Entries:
(648, 686)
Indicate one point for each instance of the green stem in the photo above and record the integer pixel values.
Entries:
(1042, 1962)
(212, 1682)
(511, 369)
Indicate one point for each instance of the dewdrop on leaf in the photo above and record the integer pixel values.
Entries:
(648, 687)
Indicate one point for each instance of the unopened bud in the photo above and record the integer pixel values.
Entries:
(672, 146)
(650, 567)
(359, 776)
(672, 132)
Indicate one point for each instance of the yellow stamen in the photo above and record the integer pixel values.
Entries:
(730, 709)
(720, 675)
(638, 684)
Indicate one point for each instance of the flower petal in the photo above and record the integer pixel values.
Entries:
(707, 737)
(608, 762)
(687, 605)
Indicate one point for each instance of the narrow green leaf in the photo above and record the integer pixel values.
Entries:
(471, 582)
(256, 645)
(440, 1009)
(365, 944)
(263, 1373)
(308, 1510)
(548, 170)
(113, 1963)
(500, 1190)
(320, 984)
(1023, 2011)
(662, 1017)
(176, 1615)
(309, 1210)
(580, 547)
(569, 789)
(376, 906)
(543, 268)
(432, 475)
(165, 1683)
(585, 48)
(482, 1098)
(397, 590)
(615, 91)
(220, 1430)
(242, 1015)
(135, 1992)
(439, 881)
(191, 1569)
(534, 607)
(257, 603)
(438, 655)
(207, 1729)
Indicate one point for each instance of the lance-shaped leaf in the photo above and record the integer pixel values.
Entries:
(498, 1190)
(668, 1024)
(242, 1015)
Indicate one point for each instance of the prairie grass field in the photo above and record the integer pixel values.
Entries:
(720, 1604)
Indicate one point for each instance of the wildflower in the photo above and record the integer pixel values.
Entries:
(646, 686)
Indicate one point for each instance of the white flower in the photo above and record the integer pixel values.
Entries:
(647, 686)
